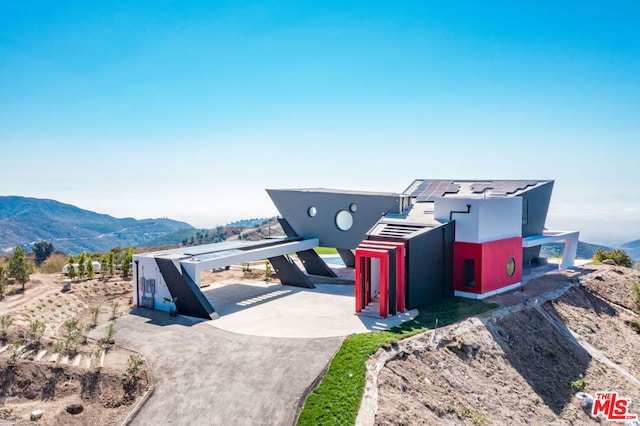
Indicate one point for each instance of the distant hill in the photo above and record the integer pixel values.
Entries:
(71, 229)
(585, 250)
(246, 229)
(633, 249)
(250, 223)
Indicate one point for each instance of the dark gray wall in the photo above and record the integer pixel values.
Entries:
(190, 301)
(293, 205)
(538, 200)
(429, 265)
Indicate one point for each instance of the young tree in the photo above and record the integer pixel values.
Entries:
(112, 263)
(90, 271)
(42, 250)
(5, 323)
(19, 266)
(126, 264)
(3, 282)
(71, 270)
(34, 332)
(82, 265)
(104, 265)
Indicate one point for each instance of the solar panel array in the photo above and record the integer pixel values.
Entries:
(429, 190)
(502, 186)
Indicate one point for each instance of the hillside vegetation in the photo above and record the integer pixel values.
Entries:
(24, 221)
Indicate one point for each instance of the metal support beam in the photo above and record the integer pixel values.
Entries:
(190, 300)
(314, 264)
(289, 273)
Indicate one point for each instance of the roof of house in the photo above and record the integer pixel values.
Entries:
(431, 189)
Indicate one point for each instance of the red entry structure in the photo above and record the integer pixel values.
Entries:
(392, 275)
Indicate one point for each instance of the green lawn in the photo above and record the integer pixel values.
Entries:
(337, 398)
(326, 250)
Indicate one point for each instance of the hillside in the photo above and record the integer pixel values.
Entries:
(252, 230)
(633, 249)
(72, 229)
(522, 364)
(585, 250)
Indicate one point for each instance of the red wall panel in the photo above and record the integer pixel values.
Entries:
(495, 256)
(491, 260)
(462, 251)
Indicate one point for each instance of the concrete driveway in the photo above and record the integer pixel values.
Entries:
(209, 376)
(275, 310)
(254, 364)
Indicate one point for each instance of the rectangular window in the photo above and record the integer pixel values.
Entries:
(469, 273)
(525, 211)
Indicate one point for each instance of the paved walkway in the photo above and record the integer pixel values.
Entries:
(209, 376)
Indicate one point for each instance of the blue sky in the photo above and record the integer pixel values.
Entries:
(190, 109)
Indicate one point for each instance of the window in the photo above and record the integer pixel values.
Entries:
(511, 266)
(353, 207)
(525, 211)
(469, 273)
(344, 220)
(312, 211)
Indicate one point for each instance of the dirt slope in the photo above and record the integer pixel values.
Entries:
(40, 379)
(517, 366)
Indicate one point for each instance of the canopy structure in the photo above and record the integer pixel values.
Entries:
(175, 274)
(569, 238)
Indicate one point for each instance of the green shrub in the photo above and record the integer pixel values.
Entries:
(579, 385)
(619, 256)
(635, 292)
(95, 311)
(35, 331)
(5, 323)
(133, 367)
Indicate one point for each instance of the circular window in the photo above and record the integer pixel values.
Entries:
(312, 211)
(344, 220)
(511, 266)
(353, 207)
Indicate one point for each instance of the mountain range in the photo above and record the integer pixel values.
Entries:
(26, 221)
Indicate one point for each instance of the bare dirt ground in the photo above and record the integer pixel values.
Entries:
(517, 365)
(36, 377)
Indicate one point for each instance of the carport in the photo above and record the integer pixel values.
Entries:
(175, 274)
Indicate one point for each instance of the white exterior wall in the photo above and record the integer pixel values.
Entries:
(148, 269)
(489, 218)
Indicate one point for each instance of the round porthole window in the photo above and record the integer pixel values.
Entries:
(353, 207)
(344, 220)
(312, 211)
(511, 266)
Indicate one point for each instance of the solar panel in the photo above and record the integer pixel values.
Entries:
(480, 187)
(501, 186)
(432, 189)
(511, 186)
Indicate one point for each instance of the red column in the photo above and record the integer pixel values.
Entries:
(358, 282)
(384, 286)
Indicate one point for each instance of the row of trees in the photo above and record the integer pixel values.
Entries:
(207, 236)
(19, 268)
(82, 267)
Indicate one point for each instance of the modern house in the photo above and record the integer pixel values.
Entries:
(436, 239)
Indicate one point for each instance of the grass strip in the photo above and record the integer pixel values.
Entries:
(337, 398)
(325, 250)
